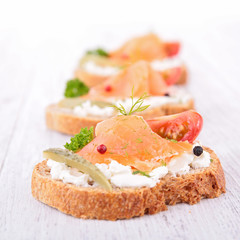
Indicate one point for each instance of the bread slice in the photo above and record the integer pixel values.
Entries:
(63, 120)
(124, 203)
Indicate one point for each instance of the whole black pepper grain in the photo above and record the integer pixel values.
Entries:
(197, 150)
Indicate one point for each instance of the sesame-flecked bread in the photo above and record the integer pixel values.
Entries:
(124, 203)
(63, 120)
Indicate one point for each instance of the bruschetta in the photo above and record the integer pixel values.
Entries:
(97, 65)
(129, 167)
(85, 107)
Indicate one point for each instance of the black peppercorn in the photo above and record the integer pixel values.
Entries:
(166, 95)
(198, 150)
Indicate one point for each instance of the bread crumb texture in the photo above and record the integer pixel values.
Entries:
(125, 203)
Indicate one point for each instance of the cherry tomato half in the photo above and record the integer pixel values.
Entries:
(172, 75)
(172, 48)
(184, 126)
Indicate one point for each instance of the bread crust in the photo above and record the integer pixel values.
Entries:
(63, 120)
(125, 203)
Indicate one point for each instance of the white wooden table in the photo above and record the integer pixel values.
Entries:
(32, 77)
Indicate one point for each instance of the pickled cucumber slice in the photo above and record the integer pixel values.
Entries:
(74, 160)
(73, 102)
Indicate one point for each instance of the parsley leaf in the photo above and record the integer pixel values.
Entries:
(80, 140)
(211, 160)
(141, 172)
(75, 88)
(99, 51)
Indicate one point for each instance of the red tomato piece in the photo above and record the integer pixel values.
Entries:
(172, 48)
(184, 126)
(171, 76)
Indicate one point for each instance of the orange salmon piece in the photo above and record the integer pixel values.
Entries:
(148, 47)
(88, 78)
(130, 141)
(139, 77)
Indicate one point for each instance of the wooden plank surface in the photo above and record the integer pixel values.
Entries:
(30, 79)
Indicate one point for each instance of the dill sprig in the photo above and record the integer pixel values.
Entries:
(121, 109)
(136, 106)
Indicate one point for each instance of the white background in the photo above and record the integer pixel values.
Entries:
(40, 45)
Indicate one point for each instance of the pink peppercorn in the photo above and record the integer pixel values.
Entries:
(102, 148)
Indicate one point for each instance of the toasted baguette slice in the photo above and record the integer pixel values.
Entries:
(97, 203)
(65, 121)
(92, 80)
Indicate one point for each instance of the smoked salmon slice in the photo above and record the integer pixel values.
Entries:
(148, 47)
(130, 141)
(139, 77)
(88, 78)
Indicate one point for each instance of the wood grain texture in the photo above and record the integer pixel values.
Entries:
(30, 79)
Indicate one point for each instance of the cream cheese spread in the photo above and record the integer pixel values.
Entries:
(122, 176)
(88, 109)
(158, 65)
(202, 161)
(177, 96)
(60, 171)
(167, 63)
(93, 68)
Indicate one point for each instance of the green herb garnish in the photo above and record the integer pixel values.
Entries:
(80, 140)
(141, 172)
(139, 140)
(164, 163)
(99, 51)
(75, 88)
(172, 140)
(125, 146)
(136, 106)
(211, 160)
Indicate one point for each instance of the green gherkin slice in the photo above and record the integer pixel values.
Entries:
(73, 102)
(74, 160)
